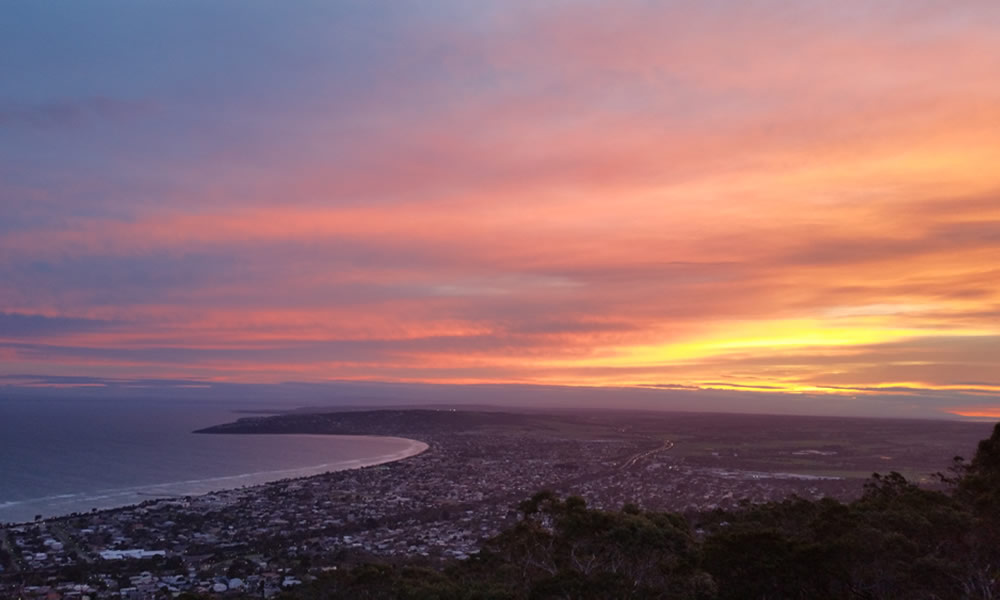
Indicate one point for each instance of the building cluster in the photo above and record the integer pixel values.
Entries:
(438, 505)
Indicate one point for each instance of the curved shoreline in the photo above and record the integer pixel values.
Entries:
(103, 500)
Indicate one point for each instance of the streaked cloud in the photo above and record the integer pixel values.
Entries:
(16, 325)
(69, 113)
(765, 197)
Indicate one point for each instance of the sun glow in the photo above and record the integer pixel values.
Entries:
(553, 209)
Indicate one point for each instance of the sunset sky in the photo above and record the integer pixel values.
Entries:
(768, 197)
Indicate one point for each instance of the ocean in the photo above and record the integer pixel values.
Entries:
(61, 455)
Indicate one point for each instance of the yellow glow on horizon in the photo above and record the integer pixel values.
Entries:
(983, 412)
(776, 334)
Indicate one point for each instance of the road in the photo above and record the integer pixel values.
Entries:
(59, 531)
(635, 458)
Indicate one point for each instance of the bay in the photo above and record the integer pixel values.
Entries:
(64, 455)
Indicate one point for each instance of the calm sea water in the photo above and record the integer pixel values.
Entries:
(59, 456)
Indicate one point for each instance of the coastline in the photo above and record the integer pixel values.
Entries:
(122, 498)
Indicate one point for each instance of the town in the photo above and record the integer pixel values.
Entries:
(443, 503)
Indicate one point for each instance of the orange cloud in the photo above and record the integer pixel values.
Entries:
(981, 412)
(769, 198)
